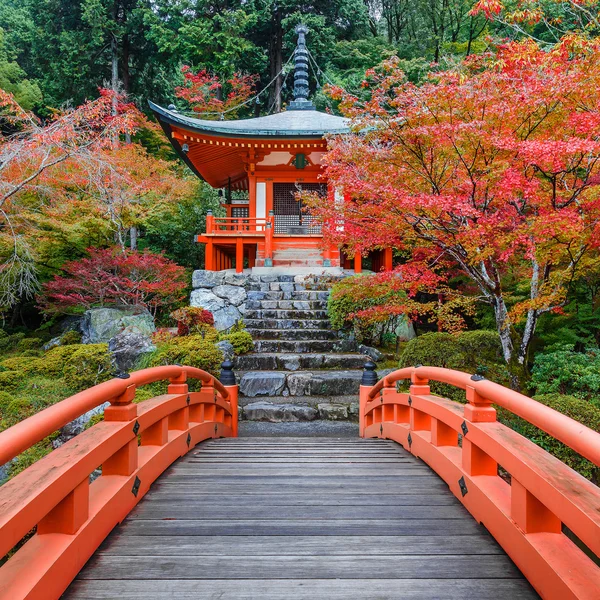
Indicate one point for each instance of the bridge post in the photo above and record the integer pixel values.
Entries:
(369, 379)
(227, 378)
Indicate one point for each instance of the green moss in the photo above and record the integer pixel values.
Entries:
(9, 380)
(29, 344)
(10, 342)
(240, 340)
(577, 409)
(98, 418)
(89, 365)
(193, 350)
(24, 364)
(30, 456)
(70, 337)
(56, 358)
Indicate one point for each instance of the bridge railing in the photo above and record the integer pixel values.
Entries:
(134, 444)
(544, 514)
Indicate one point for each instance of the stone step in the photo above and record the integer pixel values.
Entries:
(273, 412)
(285, 314)
(259, 333)
(286, 304)
(299, 383)
(319, 428)
(286, 323)
(294, 362)
(302, 345)
(310, 295)
(351, 400)
(277, 286)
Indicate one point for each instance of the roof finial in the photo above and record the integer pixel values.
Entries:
(301, 101)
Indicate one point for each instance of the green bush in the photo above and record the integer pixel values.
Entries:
(196, 350)
(29, 344)
(5, 399)
(240, 340)
(70, 337)
(564, 371)
(9, 380)
(24, 364)
(470, 351)
(89, 365)
(577, 409)
(56, 358)
(10, 342)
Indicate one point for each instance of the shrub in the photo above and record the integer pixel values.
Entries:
(5, 399)
(29, 344)
(23, 364)
(56, 358)
(565, 371)
(10, 342)
(470, 351)
(89, 365)
(9, 380)
(110, 277)
(189, 318)
(577, 409)
(70, 337)
(193, 350)
(240, 340)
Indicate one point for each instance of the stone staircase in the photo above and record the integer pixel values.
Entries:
(300, 369)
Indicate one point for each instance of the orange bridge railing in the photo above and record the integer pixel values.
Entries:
(545, 515)
(134, 444)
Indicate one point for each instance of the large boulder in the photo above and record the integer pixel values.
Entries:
(99, 325)
(233, 294)
(207, 279)
(126, 349)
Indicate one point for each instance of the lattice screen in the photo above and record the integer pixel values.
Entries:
(289, 214)
(240, 212)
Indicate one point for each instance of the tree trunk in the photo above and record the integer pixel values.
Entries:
(276, 61)
(133, 237)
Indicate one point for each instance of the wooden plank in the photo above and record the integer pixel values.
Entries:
(104, 566)
(303, 589)
(130, 545)
(189, 510)
(203, 501)
(230, 526)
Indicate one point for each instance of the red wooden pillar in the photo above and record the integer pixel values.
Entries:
(209, 251)
(387, 259)
(239, 255)
(358, 262)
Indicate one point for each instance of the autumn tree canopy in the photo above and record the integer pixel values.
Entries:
(489, 171)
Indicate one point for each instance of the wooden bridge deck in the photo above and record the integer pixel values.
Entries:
(302, 518)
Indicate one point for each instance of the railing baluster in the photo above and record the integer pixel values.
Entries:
(529, 513)
(70, 513)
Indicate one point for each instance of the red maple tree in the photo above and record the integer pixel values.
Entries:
(490, 171)
(111, 277)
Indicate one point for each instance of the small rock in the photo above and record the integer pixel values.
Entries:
(207, 279)
(371, 352)
(278, 413)
(126, 349)
(75, 427)
(333, 412)
(268, 278)
(226, 348)
(234, 294)
(256, 295)
(52, 343)
(262, 384)
(286, 287)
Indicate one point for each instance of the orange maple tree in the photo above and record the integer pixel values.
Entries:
(490, 171)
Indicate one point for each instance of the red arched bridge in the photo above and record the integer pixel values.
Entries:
(447, 503)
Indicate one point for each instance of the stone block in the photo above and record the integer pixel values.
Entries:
(278, 413)
(262, 384)
(207, 279)
(333, 412)
(239, 279)
(204, 298)
(233, 294)
(226, 317)
(371, 352)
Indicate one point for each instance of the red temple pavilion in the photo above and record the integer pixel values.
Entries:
(261, 164)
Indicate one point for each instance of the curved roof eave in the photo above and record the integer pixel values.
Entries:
(288, 124)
